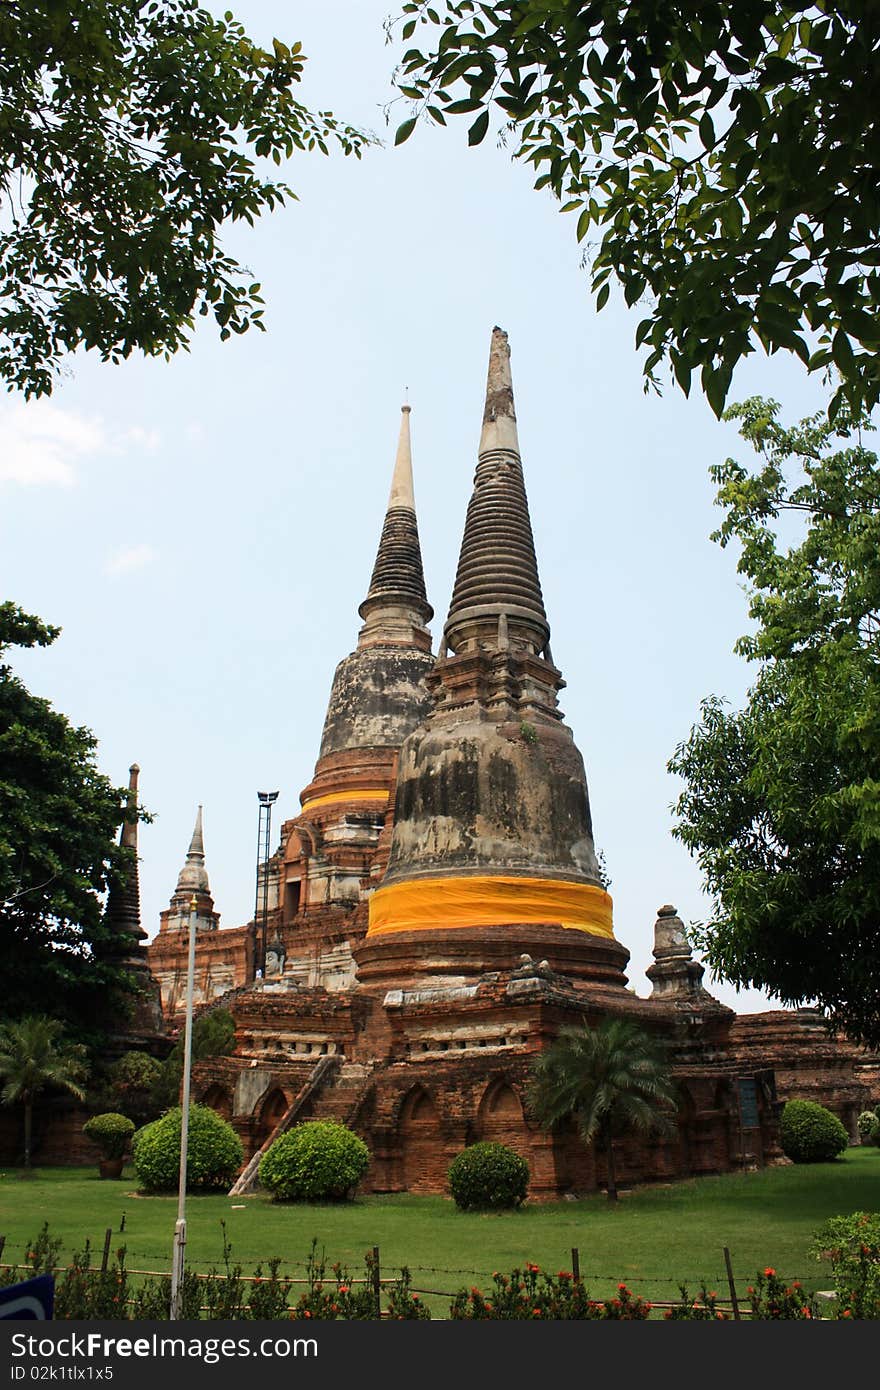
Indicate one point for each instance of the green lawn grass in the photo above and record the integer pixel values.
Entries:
(654, 1239)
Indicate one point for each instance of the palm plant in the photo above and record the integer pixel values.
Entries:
(609, 1080)
(33, 1058)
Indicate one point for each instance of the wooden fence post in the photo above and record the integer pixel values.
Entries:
(105, 1258)
(576, 1264)
(732, 1286)
(377, 1281)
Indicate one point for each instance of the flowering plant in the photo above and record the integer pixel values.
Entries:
(703, 1308)
(771, 1297)
(531, 1294)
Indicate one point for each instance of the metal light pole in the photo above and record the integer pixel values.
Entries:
(266, 800)
(179, 1252)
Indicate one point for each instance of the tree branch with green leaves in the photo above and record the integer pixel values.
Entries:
(131, 133)
(722, 160)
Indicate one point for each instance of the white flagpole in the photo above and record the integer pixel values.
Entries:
(179, 1253)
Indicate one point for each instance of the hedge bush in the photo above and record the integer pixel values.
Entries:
(213, 1156)
(869, 1127)
(488, 1176)
(811, 1134)
(111, 1133)
(318, 1161)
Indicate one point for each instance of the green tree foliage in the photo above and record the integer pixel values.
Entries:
(130, 133)
(130, 1084)
(809, 1133)
(213, 1035)
(610, 1080)
(59, 819)
(34, 1057)
(781, 803)
(318, 1161)
(213, 1152)
(722, 155)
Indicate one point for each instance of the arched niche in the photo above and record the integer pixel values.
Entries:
(219, 1098)
(500, 1117)
(272, 1111)
(423, 1154)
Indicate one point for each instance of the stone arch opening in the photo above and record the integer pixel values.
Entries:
(272, 1111)
(219, 1098)
(423, 1153)
(500, 1117)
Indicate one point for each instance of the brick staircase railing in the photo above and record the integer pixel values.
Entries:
(324, 1068)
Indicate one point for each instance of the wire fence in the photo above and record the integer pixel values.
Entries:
(297, 1275)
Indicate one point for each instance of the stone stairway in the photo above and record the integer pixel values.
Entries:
(341, 1100)
(323, 1070)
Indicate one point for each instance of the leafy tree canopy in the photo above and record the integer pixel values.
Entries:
(128, 137)
(723, 154)
(59, 819)
(781, 803)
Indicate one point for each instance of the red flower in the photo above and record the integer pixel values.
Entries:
(621, 1288)
(769, 1273)
(536, 1312)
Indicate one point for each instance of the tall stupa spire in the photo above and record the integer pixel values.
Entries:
(192, 883)
(193, 877)
(396, 601)
(379, 695)
(497, 578)
(123, 911)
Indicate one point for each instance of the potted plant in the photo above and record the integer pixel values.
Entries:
(111, 1133)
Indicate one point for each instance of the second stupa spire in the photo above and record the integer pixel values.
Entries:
(396, 598)
(497, 584)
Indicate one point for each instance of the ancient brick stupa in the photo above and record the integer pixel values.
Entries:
(436, 910)
(492, 853)
(379, 696)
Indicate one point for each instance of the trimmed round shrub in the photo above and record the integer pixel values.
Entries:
(213, 1152)
(111, 1133)
(811, 1134)
(869, 1127)
(488, 1176)
(318, 1161)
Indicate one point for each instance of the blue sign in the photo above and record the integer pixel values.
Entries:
(34, 1298)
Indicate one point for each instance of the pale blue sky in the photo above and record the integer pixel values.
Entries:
(204, 530)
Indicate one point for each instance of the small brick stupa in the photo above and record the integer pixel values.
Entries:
(436, 910)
